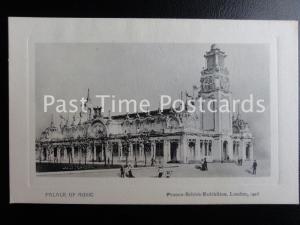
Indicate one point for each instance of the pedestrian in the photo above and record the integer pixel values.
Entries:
(160, 171)
(122, 172)
(126, 171)
(152, 161)
(254, 166)
(204, 165)
(168, 173)
(129, 172)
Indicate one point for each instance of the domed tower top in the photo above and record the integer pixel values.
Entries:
(213, 46)
(215, 75)
(214, 58)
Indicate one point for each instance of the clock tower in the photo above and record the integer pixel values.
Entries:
(215, 86)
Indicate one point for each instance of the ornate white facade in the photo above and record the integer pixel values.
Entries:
(166, 136)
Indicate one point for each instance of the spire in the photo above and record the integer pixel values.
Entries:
(159, 108)
(67, 120)
(238, 112)
(214, 58)
(88, 95)
(88, 98)
(52, 120)
(80, 116)
(74, 118)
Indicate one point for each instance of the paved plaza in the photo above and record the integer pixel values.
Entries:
(177, 170)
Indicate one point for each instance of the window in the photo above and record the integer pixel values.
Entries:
(115, 149)
(159, 149)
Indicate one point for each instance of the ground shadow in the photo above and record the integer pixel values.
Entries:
(248, 171)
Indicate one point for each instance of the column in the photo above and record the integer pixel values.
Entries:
(234, 153)
(152, 149)
(94, 152)
(73, 154)
(183, 149)
(120, 150)
(58, 154)
(79, 154)
(243, 150)
(37, 154)
(89, 153)
(102, 151)
(108, 152)
(197, 149)
(251, 151)
(130, 154)
(167, 151)
(46, 153)
(50, 154)
(65, 154)
(179, 150)
(40, 150)
(141, 151)
(230, 149)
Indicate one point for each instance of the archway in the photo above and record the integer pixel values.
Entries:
(192, 151)
(225, 155)
(248, 152)
(174, 146)
(44, 158)
(99, 153)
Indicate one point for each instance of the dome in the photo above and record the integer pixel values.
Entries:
(51, 133)
(214, 46)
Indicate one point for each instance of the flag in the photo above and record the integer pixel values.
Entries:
(187, 95)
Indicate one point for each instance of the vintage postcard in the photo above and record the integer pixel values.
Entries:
(153, 111)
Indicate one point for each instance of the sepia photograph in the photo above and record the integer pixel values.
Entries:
(174, 112)
(152, 110)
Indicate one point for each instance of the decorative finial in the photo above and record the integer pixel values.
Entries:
(52, 120)
(213, 46)
(109, 116)
(74, 118)
(88, 95)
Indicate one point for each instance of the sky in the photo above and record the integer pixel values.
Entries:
(146, 71)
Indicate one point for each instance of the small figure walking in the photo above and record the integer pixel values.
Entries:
(122, 172)
(254, 167)
(160, 171)
(168, 173)
(152, 161)
(204, 165)
(130, 175)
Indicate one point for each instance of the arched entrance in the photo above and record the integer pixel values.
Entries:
(192, 151)
(174, 146)
(225, 155)
(100, 152)
(44, 158)
(248, 152)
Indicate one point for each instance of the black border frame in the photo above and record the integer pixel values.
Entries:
(183, 9)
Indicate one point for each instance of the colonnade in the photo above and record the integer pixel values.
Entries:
(181, 149)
